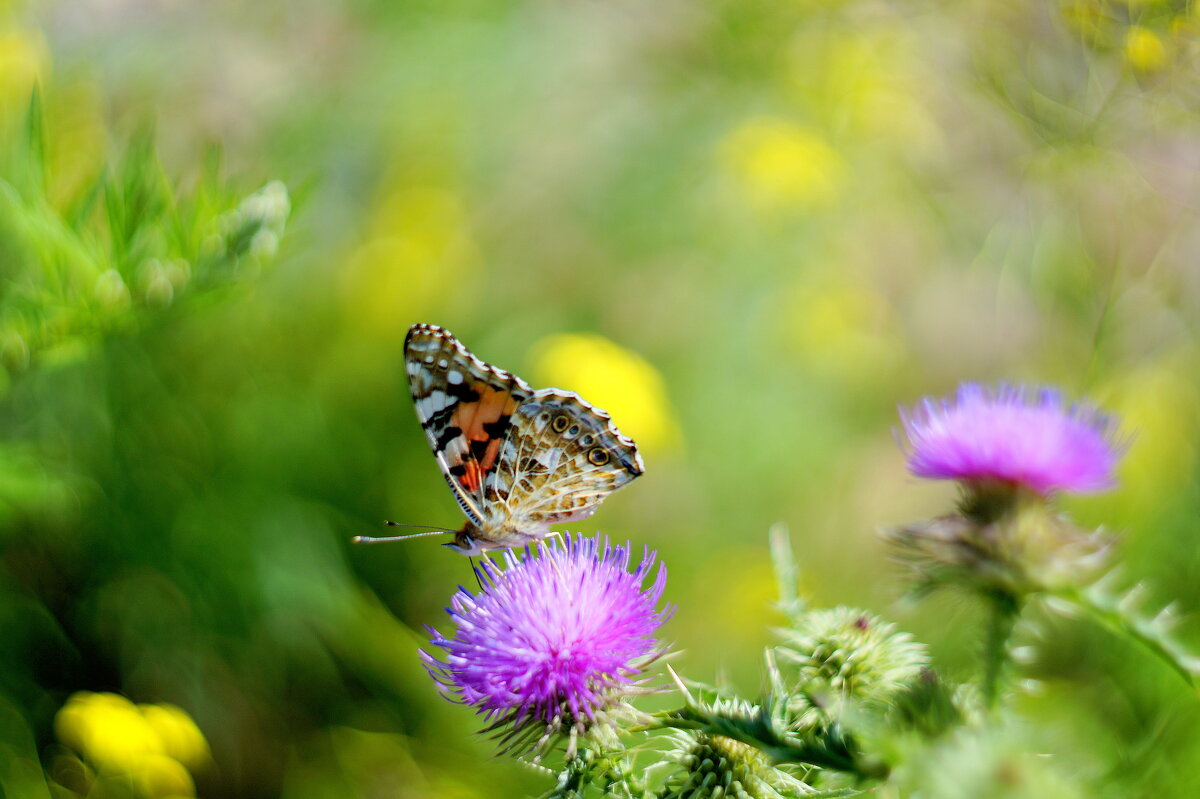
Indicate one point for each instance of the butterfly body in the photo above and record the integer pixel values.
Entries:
(517, 460)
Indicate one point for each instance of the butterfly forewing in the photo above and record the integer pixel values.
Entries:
(465, 407)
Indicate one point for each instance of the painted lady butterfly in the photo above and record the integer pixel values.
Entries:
(518, 460)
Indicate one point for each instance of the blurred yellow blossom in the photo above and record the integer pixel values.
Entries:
(613, 378)
(154, 746)
(181, 738)
(24, 60)
(840, 329)
(107, 729)
(780, 164)
(1144, 50)
(418, 252)
(161, 776)
(866, 84)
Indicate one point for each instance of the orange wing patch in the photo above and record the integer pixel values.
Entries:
(472, 478)
(483, 423)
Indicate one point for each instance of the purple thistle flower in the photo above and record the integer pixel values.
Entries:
(1012, 435)
(555, 637)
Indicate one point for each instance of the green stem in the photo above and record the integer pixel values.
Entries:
(1003, 610)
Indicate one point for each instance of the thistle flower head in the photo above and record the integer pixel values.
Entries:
(554, 639)
(1013, 435)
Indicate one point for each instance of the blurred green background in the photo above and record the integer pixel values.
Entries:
(749, 228)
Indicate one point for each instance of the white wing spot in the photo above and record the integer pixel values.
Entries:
(428, 359)
(454, 377)
(443, 363)
(436, 401)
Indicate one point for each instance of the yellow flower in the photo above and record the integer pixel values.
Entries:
(780, 164)
(162, 777)
(180, 737)
(151, 746)
(108, 730)
(613, 378)
(1144, 51)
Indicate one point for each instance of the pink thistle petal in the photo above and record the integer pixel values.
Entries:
(1014, 435)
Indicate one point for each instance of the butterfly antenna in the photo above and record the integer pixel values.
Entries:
(424, 526)
(372, 539)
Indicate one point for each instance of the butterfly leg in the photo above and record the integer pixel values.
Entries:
(475, 571)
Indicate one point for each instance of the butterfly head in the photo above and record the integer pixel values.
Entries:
(465, 543)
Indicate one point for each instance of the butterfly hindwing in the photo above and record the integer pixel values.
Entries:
(465, 407)
(562, 457)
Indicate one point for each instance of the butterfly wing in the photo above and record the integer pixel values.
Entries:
(561, 459)
(466, 409)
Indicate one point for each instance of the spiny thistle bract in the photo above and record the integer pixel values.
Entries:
(1025, 549)
(552, 643)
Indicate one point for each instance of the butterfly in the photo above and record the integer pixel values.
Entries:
(517, 460)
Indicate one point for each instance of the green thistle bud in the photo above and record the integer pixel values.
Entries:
(716, 766)
(850, 654)
(932, 708)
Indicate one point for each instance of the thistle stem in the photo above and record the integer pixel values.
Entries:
(1003, 610)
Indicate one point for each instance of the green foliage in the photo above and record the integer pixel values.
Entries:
(123, 246)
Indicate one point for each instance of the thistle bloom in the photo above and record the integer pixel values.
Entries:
(1012, 435)
(556, 637)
